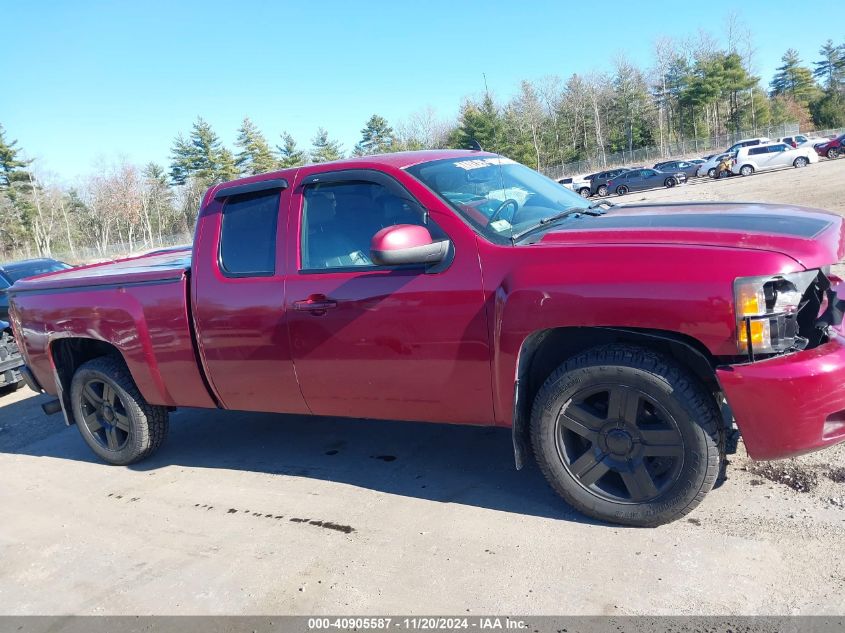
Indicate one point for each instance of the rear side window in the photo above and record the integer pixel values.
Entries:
(757, 150)
(248, 235)
(774, 149)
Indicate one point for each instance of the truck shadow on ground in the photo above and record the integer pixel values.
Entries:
(442, 463)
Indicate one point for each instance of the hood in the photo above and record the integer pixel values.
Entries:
(812, 237)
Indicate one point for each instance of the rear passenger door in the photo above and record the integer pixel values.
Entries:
(238, 292)
(758, 157)
(779, 156)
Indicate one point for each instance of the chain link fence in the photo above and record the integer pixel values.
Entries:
(684, 148)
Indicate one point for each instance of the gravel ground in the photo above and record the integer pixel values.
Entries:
(261, 514)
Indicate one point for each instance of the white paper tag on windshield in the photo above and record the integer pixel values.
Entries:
(500, 225)
(478, 163)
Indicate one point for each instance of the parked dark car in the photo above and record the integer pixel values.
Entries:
(688, 167)
(598, 183)
(833, 148)
(641, 179)
(11, 272)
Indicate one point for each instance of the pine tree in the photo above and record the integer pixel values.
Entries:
(181, 163)
(289, 154)
(201, 156)
(323, 149)
(206, 148)
(10, 162)
(736, 83)
(479, 123)
(830, 69)
(793, 80)
(254, 156)
(377, 137)
(227, 168)
(829, 111)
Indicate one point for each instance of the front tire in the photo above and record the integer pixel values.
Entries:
(711, 172)
(670, 182)
(801, 161)
(602, 190)
(627, 436)
(746, 170)
(833, 153)
(584, 192)
(113, 417)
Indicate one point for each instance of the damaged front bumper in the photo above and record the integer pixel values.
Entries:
(790, 404)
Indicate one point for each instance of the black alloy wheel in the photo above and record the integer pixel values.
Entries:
(113, 418)
(105, 415)
(619, 444)
(627, 435)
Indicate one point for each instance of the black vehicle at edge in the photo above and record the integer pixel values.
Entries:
(13, 271)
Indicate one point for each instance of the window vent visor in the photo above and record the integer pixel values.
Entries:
(251, 187)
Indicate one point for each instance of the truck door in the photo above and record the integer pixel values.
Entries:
(238, 291)
(378, 341)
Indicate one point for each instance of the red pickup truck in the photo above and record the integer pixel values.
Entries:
(620, 343)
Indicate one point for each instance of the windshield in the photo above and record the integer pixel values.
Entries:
(496, 195)
(30, 269)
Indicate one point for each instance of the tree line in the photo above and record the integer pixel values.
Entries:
(694, 88)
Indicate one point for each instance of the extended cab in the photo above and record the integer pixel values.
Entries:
(620, 342)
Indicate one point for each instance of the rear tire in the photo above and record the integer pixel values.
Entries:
(711, 172)
(746, 170)
(584, 192)
(113, 417)
(621, 190)
(670, 182)
(626, 435)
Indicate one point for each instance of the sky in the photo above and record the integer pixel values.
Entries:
(89, 82)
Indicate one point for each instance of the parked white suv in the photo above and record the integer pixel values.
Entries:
(747, 142)
(771, 156)
(578, 184)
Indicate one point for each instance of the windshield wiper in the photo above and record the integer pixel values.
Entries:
(588, 210)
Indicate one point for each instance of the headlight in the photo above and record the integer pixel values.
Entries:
(766, 309)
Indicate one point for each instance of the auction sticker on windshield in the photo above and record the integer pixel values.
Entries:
(478, 163)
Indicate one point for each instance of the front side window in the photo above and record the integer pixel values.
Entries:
(757, 150)
(496, 195)
(339, 221)
(248, 235)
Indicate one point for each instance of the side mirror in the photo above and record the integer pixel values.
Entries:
(406, 244)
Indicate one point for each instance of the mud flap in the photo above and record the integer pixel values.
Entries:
(519, 432)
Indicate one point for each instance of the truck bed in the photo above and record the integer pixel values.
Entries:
(157, 266)
(140, 306)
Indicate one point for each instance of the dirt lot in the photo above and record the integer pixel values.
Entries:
(261, 514)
